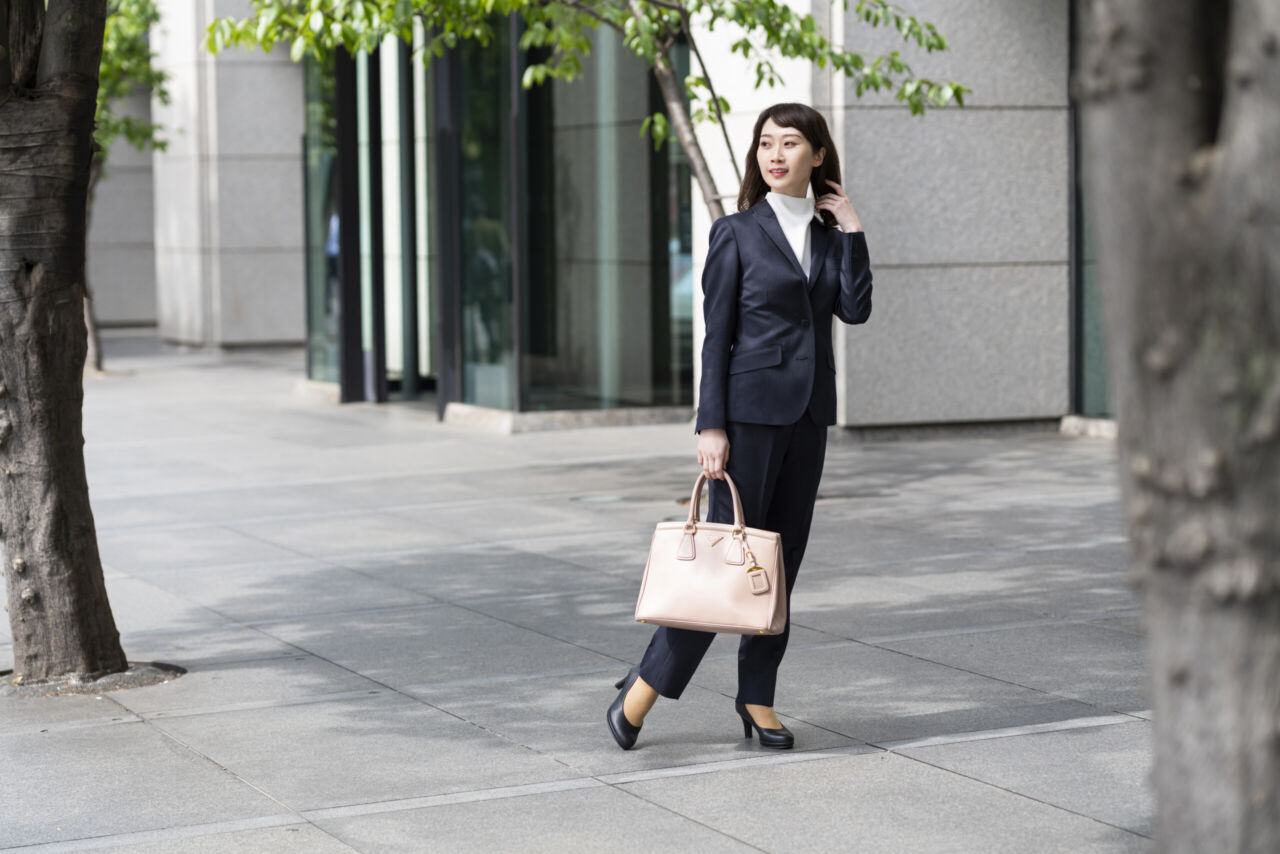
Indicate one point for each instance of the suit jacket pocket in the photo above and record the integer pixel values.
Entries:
(751, 360)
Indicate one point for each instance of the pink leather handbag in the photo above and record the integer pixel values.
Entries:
(714, 577)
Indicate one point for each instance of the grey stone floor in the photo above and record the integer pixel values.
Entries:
(402, 636)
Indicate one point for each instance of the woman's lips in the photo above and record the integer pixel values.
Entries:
(777, 173)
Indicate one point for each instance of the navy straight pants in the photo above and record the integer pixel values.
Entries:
(776, 470)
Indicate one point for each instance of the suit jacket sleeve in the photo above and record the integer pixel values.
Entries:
(721, 277)
(854, 303)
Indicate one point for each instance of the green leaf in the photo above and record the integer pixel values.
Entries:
(298, 49)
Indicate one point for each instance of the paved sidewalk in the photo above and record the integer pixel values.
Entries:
(402, 636)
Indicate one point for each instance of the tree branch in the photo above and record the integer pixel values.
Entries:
(679, 119)
(72, 39)
(587, 10)
(711, 90)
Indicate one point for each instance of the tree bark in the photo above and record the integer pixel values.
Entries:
(1181, 141)
(94, 357)
(711, 91)
(58, 610)
(672, 97)
(680, 123)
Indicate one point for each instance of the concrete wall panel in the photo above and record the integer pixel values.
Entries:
(121, 240)
(959, 344)
(986, 186)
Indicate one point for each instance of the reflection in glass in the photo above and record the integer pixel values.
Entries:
(324, 308)
(1094, 395)
(673, 376)
(606, 299)
(485, 142)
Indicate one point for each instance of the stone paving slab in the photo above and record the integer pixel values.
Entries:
(383, 747)
(403, 635)
(604, 621)
(620, 551)
(483, 572)
(1100, 772)
(554, 823)
(567, 723)
(397, 490)
(1062, 588)
(868, 606)
(140, 606)
(878, 802)
(70, 776)
(197, 648)
(880, 695)
(34, 715)
(270, 680)
(441, 643)
(1087, 662)
(135, 552)
(295, 839)
(286, 589)
(343, 534)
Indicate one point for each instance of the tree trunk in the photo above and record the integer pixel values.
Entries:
(1181, 144)
(673, 97)
(58, 611)
(674, 100)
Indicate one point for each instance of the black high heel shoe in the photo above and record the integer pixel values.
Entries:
(779, 739)
(624, 732)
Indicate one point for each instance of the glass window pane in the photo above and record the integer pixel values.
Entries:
(485, 156)
(324, 304)
(1095, 399)
(607, 301)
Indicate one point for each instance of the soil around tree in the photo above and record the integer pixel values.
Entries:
(139, 675)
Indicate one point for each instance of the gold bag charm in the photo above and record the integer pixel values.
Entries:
(756, 576)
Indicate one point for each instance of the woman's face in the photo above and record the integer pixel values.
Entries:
(786, 159)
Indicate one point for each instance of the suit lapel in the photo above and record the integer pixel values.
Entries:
(820, 246)
(768, 221)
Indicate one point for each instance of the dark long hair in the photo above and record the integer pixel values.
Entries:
(809, 122)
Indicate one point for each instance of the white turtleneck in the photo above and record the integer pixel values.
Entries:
(794, 215)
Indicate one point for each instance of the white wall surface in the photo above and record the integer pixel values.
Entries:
(121, 263)
(228, 191)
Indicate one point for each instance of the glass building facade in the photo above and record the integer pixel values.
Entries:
(1090, 394)
(472, 241)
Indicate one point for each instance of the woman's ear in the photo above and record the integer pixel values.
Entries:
(819, 157)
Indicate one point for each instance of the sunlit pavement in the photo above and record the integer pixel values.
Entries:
(402, 636)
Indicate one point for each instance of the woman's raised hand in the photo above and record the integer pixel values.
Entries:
(713, 452)
(840, 207)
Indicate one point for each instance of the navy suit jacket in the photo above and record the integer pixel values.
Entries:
(767, 354)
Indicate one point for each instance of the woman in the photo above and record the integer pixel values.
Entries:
(776, 272)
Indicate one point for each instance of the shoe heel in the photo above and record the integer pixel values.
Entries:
(746, 728)
(618, 685)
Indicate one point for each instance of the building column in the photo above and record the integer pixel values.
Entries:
(228, 189)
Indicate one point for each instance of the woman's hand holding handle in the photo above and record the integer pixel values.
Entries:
(713, 451)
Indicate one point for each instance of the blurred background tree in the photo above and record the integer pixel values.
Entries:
(127, 69)
(560, 31)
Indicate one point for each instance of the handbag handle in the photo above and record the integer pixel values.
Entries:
(697, 495)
